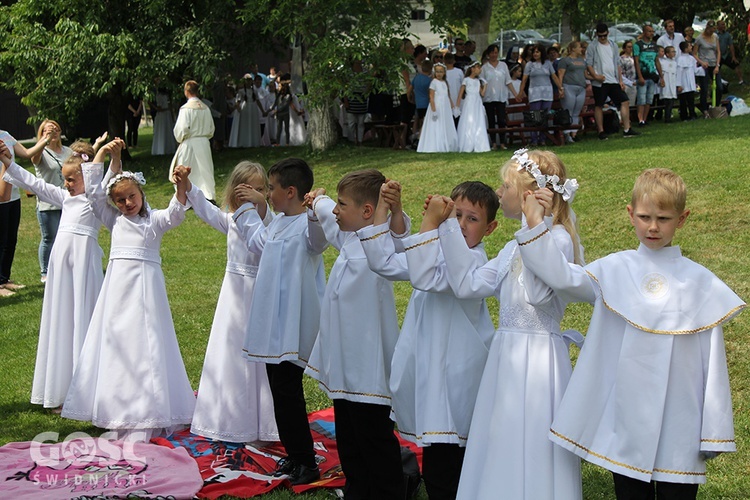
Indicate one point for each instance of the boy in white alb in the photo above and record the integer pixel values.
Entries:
(686, 65)
(351, 357)
(671, 85)
(285, 311)
(649, 398)
(443, 346)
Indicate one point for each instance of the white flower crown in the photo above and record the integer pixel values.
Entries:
(567, 189)
(136, 176)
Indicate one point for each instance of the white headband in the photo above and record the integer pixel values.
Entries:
(567, 189)
(136, 176)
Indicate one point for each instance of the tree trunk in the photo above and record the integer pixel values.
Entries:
(479, 30)
(116, 117)
(321, 130)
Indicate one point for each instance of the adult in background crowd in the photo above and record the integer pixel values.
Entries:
(48, 166)
(728, 55)
(163, 142)
(602, 61)
(708, 54)
(571, 70)
(670, 38)
(193, 130)
(133, 116)
(648, 69)
(688, 33)
(627, 70)
(497, 76)
(462, 60)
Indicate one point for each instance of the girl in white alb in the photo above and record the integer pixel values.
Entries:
(472, 127)
(438, 129)
(74, 280)
(234, 399)
(528, 367)
(130, 375)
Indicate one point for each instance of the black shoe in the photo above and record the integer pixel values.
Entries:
(602, 136)
(284, 467)
(641, 124)
(631, 133)
(303, 474)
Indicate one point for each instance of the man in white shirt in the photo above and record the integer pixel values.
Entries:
(670, 38)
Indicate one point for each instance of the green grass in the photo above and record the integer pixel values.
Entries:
(710, 155)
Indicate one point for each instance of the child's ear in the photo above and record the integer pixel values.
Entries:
(490, 228)
(683, 218)
(368, 210)
(630, 214)
(291, 192)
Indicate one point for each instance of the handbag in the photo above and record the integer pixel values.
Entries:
(535, 118)
(562, 118)
(715, 111)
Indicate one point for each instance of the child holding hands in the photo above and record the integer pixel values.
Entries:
(75, 277)
(439, 356)
(285, 317)
(234, 398)
(528, 365)
(352, 355)
(130, 376)
(649, 399)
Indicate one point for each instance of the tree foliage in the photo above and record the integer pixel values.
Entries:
(335, 33)
(62, 55)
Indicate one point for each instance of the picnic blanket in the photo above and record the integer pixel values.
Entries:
(88, 467)
(245, 471)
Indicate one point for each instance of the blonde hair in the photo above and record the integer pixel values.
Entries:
(662, 187)
(242, 173)
(45, 122)
(80, 148)
(549, 164)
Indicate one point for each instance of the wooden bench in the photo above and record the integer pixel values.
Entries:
(389, 134)
(516, 130)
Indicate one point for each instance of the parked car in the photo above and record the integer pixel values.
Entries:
(616, 36)
(583, 37)
(631, 29)
(522, 37)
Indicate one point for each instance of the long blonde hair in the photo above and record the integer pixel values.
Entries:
(549, 164)
(242, 173)
(47, 121)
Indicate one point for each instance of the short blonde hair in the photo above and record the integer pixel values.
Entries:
(661, 186)
(241, 174)
(191, 87)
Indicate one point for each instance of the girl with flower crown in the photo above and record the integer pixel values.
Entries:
(130, 375)
(438, 130)
(528, 366)
(472, 127)
(75, 275)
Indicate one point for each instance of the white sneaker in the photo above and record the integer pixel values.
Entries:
(569, 139)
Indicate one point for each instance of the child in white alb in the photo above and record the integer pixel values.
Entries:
(352, 355)
(74, 276)
(285, 317)
(528, 366)
(130, 376)
(472, 127)
(649, 399)
(671, 86)
(440, 354)
(438, 133)
(686, 65)
(234, 398)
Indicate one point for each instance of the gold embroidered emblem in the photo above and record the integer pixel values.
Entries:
(654, 285)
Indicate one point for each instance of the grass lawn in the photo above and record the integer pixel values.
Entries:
(712, 157)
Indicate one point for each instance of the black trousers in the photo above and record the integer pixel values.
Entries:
(10, 218)
(627, 488)
(706, 93)
(291, 411)
(369, 451)
(687, 105)
(495, 119)
(441, 470)
(133, 124)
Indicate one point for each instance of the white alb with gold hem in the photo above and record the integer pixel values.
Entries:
(650, 391)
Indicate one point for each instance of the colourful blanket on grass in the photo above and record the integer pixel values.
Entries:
(245, 471)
